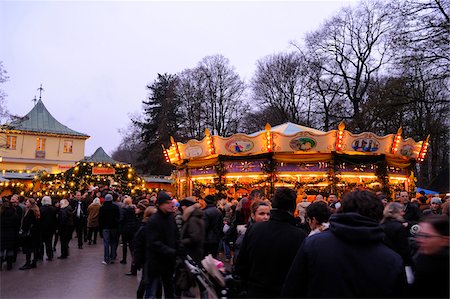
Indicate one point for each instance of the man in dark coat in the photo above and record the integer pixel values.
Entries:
(79, 208)
(349, 260)
(213, 226)
(108, 220)
(412, 212)
(65, 227)
(48, 226)
(269, 248)
(161, 234)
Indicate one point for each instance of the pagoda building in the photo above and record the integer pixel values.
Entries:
(39, 142)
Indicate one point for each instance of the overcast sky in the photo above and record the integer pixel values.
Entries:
(94, 59)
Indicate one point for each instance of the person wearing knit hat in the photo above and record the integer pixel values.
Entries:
(161, 234)
(109, 215)
(435, 207)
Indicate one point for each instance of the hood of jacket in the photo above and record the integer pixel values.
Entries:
(193, 210)
(281, 216)
(355, 228)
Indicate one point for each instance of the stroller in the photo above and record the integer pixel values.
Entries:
(209, 279)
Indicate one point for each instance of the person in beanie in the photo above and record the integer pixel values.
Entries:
(213, 226)
(161, 235)
(350, 256)
(108, 221)
(269, 247)
(435, 207)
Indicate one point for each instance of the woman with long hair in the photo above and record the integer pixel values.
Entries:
(31, 233)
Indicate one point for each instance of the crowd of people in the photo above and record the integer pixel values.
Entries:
(362, 245)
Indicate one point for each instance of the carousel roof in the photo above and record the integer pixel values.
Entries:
(289, 129)
(40, 120)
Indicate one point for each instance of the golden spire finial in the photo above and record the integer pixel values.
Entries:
(267, 127)
(341, 126)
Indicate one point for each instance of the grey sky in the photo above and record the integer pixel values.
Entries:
(94, 59)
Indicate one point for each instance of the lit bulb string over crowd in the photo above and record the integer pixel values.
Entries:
(118, 175)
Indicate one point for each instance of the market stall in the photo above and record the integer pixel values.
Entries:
(303, 158)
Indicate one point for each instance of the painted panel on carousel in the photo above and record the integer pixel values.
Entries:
(240, 144)
(194, 149)
(304, 142)
(367, 143)
(409, 148)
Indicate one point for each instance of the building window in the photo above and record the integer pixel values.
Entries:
(11, 142)
(40, 144)
(68, 144)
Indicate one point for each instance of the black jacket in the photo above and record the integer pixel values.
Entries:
(432, 275)
(161, 236)
(129, 222)
(65, 222)
(31, 225)
(48, 220)
(396, 237)
(267, 252)
(412, 214)
(109, 216)
(349, 260)
(213, 224)
(10, 225)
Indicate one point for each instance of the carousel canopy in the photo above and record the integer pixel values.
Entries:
(295, 143)
(289, 129)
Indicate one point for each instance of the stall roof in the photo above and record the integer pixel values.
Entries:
(17, 176)
(100, 156)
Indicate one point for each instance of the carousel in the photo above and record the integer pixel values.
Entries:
(309, 160)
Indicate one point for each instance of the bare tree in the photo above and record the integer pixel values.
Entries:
(352, 47)
(4, 114)
(422, 35)
(279, 84)
(192, 94)
(223, 95)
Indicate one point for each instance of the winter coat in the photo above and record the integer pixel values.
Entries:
(109, 216)
(432, 275)
(93, 214)
(10, 225)
(412, 214)
(192, 234)
(349, 260)
(65, 222)
(267, 252)
(161, 235)
(48, 220)
(396, 237)
(31, 225)
(139, 246)
(128, 223)
(213, 225)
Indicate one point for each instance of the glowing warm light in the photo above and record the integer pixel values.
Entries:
(423, 150)
(210, 142)
(396, 142)
(340, 136)
(269, 139)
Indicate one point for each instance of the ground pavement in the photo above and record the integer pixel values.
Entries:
(82, 275)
